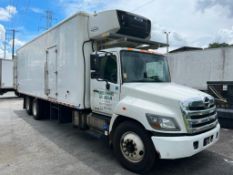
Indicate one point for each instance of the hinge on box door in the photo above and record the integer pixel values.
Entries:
(56, 94)
(56, 50)
(56, 72)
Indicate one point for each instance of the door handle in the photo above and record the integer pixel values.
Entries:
(97, 91)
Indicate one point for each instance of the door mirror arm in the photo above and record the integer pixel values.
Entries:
(107, 85)
(107, 82)
(94, 75)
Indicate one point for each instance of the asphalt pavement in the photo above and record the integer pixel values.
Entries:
(30, 147)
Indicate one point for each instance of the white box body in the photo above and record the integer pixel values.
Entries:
(54, 62)
(6, 74)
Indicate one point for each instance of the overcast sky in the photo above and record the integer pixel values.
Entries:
(191, 22)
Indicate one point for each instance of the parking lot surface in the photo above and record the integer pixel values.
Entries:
(29, 147)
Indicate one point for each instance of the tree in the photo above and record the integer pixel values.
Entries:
(217, 45)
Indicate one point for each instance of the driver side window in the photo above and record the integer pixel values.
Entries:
(108, 68)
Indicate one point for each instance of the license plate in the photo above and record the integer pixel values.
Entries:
(208, 140)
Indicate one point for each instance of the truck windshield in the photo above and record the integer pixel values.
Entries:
(144, 67)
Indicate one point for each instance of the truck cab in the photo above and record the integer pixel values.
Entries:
(148, 113)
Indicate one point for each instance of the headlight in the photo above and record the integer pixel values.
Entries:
(162, 123)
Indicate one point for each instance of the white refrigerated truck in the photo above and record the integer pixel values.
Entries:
(6, 76)
(94, 67)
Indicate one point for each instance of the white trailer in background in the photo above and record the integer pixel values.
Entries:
(91, 66)
(6, 75)
(196, 68)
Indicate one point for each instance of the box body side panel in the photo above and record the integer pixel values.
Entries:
(67, 66)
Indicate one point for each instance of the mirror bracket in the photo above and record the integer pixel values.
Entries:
(107, 85)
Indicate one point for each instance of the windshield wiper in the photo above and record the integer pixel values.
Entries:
(155, 78)
(144, 81)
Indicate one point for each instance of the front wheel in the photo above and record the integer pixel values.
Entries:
(133, 147)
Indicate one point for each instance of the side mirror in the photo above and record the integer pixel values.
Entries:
(94, 62)
(94, 66)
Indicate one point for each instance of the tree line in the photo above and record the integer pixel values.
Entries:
(217, 45)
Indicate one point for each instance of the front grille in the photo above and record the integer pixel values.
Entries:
(193, 108)
(200, 120)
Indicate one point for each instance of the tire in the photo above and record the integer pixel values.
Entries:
(28, 105)
(36, 109)
(128, 136)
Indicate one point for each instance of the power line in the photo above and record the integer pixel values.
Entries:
(9, 12)
(146, 3)
(14, 21)
(23, 13)
(28, 3)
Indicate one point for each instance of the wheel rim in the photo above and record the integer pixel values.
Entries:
(34, 108)
(132, 147)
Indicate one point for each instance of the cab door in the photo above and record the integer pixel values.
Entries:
(105, 86)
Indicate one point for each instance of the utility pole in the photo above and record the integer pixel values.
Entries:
(13, 42)
(49, 19)
(48, 16)
(167, 39)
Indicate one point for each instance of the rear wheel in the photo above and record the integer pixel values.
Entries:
(28, 105)
(133, 147)
(36, 109)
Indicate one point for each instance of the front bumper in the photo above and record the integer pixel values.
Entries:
(183, 146)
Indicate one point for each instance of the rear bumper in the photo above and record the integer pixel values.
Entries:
(180, 147)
